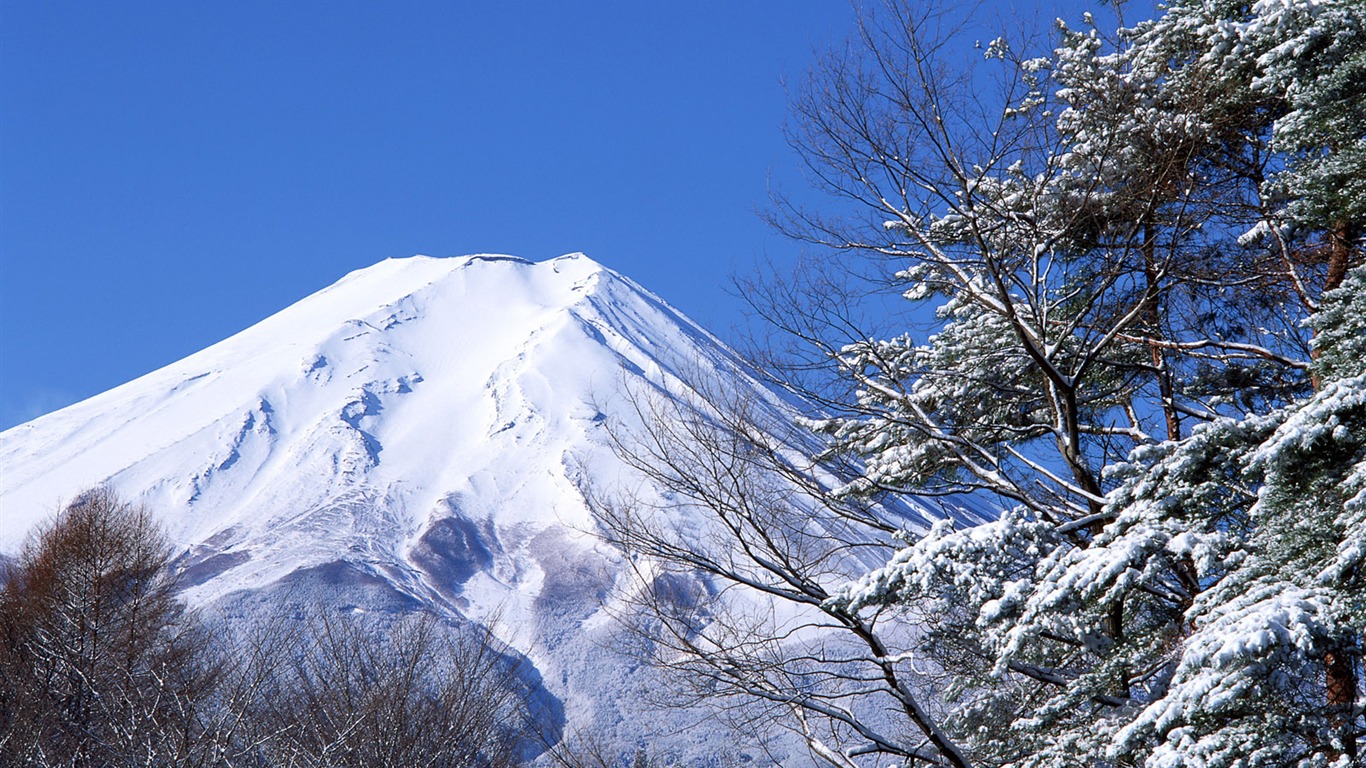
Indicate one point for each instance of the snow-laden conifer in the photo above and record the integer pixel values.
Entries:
(1125, 356)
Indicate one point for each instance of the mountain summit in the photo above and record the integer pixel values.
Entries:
(420, 433)
(404, 389)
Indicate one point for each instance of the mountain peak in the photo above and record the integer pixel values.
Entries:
(424, 341)
(419, 433)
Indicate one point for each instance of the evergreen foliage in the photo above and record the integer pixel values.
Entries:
(1145, 265)
(1181, 233)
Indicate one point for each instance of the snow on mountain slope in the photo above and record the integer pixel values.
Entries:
(423, 427)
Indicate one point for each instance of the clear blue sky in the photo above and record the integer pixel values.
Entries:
(172, 172)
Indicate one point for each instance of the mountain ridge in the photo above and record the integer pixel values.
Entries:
(420, 433)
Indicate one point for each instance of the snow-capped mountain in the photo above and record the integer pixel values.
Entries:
(419, 433)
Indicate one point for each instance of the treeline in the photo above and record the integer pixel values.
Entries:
(102, 665)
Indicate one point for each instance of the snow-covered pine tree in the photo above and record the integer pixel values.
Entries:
(1266, 512)
(1268, 674)
(1124, 264)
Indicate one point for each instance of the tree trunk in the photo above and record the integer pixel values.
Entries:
(1339, 254)
(1340, 665)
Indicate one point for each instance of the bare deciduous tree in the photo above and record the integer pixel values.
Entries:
(736, 563)
(100, 664)
(414, 695)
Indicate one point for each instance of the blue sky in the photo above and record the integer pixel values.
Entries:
(171, 172)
